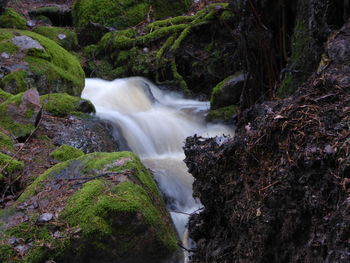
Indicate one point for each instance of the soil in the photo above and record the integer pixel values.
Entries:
(279, 191)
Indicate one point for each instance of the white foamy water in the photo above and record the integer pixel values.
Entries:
(155, 124)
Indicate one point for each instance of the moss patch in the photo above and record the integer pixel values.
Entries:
(15, 81)
(4, 95)
(65, 153)
(63, 36)
(5, 142)
(11, 19)
(124, 13)
(62, 104)
(14, 120)
(222, 114)
(12, 165)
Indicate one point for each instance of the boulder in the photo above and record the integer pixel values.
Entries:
(100, 207)
(228, 91)
(30, 60)
(19, 112)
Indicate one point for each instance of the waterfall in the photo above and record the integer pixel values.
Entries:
(154, 124)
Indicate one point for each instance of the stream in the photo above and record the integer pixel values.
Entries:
(154, 124)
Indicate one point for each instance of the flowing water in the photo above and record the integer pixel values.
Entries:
(154, 124)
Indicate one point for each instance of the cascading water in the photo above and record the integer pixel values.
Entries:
(154, 125)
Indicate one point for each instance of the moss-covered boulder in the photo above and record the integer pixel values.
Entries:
(65, 153)
(228, 91)
(35, 61)
(18, 113)
(124, 13)
(65, 37)
(101, 207)
(185, 52)
(62, 104)
(11, 19)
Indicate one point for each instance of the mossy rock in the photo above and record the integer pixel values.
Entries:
(65, 153)
(65, 37)
(62, 104)
(11, 19)
(228, 91)
(4, 95)
(6, 142)
(17, 115)
(124, 13)
(45, 66)
(224, 114)
(108, 210)
(10, 165)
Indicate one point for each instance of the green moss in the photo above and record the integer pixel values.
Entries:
(300, 44)
(181, 37)
(12, 165)
(70, 42)
(4, 95)
(54, 68)
(11, 19)
(222, 114)
(123, 13)
(5, 142)
(15, 81)
(65, 153)
(165, 46)
(217, 89)
(62, 104)
(226, 16)
(106, 213)
(19, 126)
(170, 21)
(180, 80)
(5, 44)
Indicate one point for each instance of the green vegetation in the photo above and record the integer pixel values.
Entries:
(124, 13)
(65, 153)
(108, 213)
(12, 165)
(222, 114)
(4, 95)
(11, 19)
(20, 124)
(70, 40)
(5, 142)
(217, 90)
(62, 104)
(55, 70)
(15, 81)
(300, 43)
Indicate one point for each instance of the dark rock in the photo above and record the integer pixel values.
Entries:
(228, 91)
(60, 15)
(92, 33)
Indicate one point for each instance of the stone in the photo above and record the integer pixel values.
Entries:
(25, 42)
